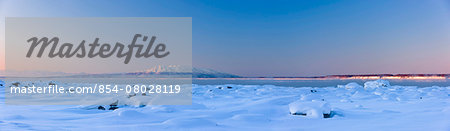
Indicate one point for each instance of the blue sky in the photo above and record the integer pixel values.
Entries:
(288, 38)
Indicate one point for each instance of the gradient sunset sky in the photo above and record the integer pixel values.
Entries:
(286, 38)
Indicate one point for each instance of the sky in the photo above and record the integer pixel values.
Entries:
(286, 38)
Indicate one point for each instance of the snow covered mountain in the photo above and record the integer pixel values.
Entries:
(183, 70)
(156, 71)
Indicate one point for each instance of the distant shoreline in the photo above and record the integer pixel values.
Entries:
(327, 77)
(364, 76)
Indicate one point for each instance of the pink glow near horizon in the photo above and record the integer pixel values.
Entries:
(414, 41)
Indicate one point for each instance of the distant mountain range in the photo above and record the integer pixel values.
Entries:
(156, 71)
(181, 70)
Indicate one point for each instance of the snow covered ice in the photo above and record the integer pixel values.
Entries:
(376, 105)
(313, 109)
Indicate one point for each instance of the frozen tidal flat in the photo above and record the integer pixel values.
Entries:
(376, 105)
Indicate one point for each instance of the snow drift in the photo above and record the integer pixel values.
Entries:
(375, 106)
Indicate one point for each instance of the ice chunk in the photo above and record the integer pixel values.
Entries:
(311, 109)
(370, 85)
(379, 92)
(353, 85)
(353, 88)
